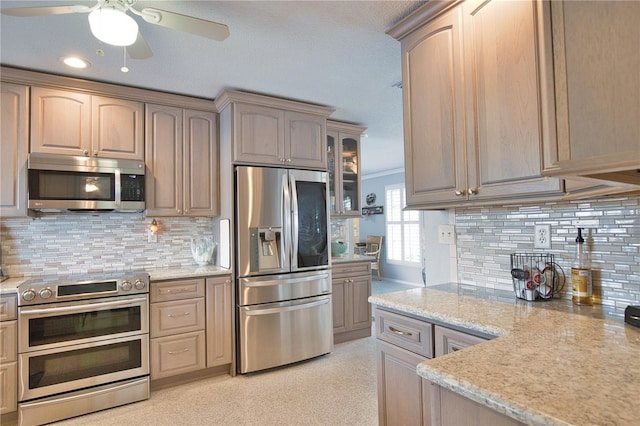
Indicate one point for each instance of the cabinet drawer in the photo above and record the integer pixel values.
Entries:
(448, 340)
(8, 341)
(176, 290)
(408, 333)
(351, 269)
(8, 307)
(175, 317)
(177, 354)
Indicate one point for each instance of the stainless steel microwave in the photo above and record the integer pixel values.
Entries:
(68, 183)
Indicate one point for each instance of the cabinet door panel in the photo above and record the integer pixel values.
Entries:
(117, 128)
(14, 140)
(504, 116)
(361, 308)
(200, 163)
(258, 134)
(399, 386)
(597, 84)
(163, 157)
(219, 319)
(339, 302)
(305, 140)
(60, 121)
(434, 130)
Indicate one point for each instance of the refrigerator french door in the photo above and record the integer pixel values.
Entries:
(284, 289)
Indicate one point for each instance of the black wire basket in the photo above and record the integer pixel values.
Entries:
(536, 276)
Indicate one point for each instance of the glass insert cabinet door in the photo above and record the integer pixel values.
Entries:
(343, 155)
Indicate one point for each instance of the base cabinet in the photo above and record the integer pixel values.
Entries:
(448, 408)
(8, 355)
(404, 397)
(351, 288)
(219, 316)
(177, 327)
(400, 394)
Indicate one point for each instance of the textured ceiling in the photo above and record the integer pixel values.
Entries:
(327, 52)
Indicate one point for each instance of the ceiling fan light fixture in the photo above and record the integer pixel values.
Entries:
(113, 26)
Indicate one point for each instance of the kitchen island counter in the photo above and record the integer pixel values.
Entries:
(352, 258)
(551, 363)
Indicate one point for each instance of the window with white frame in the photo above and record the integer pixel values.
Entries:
(403, 228)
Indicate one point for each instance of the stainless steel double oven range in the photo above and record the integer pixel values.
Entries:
(83, 344)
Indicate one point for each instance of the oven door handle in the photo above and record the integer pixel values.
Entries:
(93, 306)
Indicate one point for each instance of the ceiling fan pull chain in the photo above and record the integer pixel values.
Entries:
(124, 67)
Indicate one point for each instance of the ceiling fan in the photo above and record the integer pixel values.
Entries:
(111, 24)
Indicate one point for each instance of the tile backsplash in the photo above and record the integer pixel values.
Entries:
(81, 243)
(486, 236)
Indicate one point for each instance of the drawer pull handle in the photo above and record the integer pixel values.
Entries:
(400, 332)
(177, 290)
(178, 352)
(184, 314)
(455, 348)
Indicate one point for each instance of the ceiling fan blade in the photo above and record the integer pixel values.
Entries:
(189, 24)
(140, 49)
(25, 12)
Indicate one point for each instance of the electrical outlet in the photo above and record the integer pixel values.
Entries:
(446, 234)
(152, 237)
(542, 237)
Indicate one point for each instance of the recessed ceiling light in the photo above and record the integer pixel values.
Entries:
(75, 62)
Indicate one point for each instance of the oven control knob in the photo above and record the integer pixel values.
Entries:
(46, 293)
(140, 285)
(28, 295)
(126, 285)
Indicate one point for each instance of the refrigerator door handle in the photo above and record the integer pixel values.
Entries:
(286, 240)
(294, 222)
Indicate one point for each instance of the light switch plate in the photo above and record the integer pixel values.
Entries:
(542, 237)
(446, 234)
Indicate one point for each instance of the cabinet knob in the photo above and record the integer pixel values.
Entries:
(95, 153)
(85, 152)
(288, 160)
(179, 211)
(459, 193)
(472, 191)
(186, 212)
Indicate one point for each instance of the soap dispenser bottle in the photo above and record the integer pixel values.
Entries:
(581, 282)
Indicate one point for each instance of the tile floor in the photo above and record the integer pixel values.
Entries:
(336, 389)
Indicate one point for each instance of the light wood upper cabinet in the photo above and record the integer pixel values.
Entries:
(477, 106)
(259, 134)
(74, 123)
(14, 102)
(117, 128)
(597, 58)
(343, 160)
(264, 130)
(181, 155)
(271, 136)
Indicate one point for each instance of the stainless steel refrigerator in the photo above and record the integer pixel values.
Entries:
(284, 310)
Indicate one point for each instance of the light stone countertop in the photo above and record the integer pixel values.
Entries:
(351, 258)
(552, 364)
(156, 274)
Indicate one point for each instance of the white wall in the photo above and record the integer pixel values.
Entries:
(439, 258)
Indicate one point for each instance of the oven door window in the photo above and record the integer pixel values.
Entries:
(83, 325)
(78, 364)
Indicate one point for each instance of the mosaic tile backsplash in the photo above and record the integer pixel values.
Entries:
(82, 243)
(486, 236)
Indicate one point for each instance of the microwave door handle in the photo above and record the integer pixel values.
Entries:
(294, 222)
(118, 189)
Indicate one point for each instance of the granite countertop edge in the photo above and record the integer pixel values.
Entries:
(478, 373)
(10, 286)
